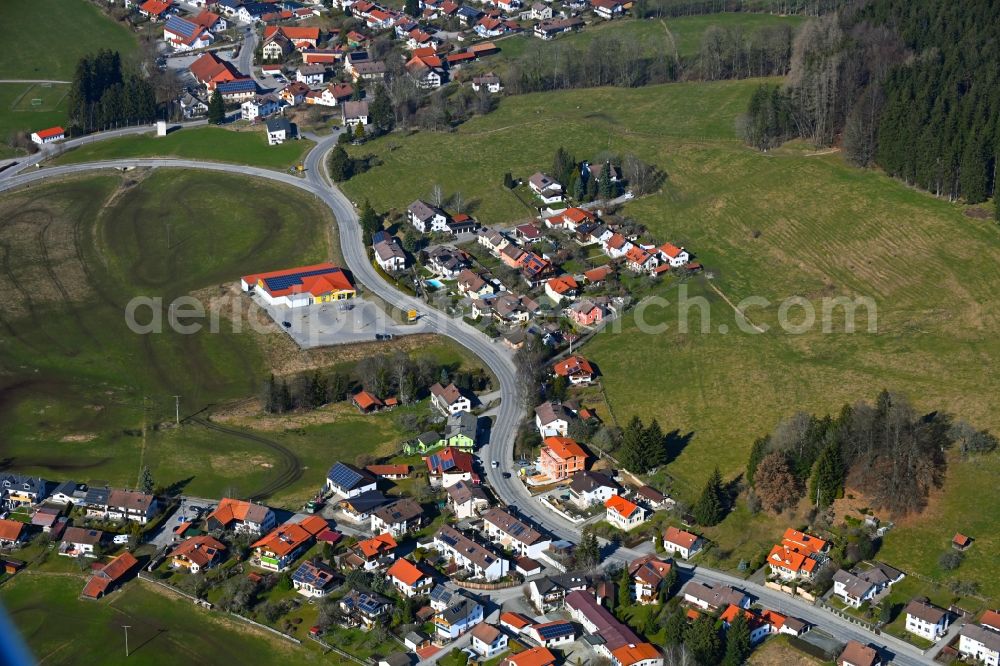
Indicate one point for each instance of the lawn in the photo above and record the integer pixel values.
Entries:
(790, 222)
(202, 143)
(72, 29)
(680, 37)
(61, 629)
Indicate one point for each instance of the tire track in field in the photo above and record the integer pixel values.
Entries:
(26, 295)
(290, 466)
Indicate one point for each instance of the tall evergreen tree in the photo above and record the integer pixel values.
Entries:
(711, 506)
(675, 627)
(380, 111)
(738, 644)
(630, 453)
(370, 222)
(146, 483)
(653, 446)
(827, 482)
(702, 639)
(216, 109)
(340, 165)
(412, 7)
(624, 592)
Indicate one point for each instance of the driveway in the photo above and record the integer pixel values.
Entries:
(188, 509)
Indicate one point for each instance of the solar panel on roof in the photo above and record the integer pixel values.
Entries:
(285, 281)
(180, 26)
(554, 630)
(343, 476)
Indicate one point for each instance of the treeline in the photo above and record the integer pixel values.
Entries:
(398, 375)
(734, 53)
(887, 451)
(103, 95)
(913, 87)
(668, 8)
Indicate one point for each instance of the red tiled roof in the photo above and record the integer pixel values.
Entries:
(50, 132)
(332, 279)
(405, 572)
(680, 537)
(515, 620)
(564, 447)
(10, 530)
(620, 505)
(155, 7)
(382, 543)
(389, 470)
(366, 400)
(573, 365)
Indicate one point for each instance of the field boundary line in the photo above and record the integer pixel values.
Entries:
(736, 309)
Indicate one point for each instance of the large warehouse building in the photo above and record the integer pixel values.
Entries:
(297, 287)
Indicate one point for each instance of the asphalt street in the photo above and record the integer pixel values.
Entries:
(493, 354)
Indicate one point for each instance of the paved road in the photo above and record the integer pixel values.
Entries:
(31, 81)
(510, 412)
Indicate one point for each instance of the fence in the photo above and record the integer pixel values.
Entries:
(337, 650)
(267, 628)
(190, 597)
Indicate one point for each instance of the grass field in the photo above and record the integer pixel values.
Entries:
(61, 629)
(18, 113)
(72, 28)
(791, 222)
(77, 383)
(203, 143)
(680, 37)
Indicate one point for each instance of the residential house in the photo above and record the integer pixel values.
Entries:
(365, 608)
(552, 634)
(979, 643)
(425, 217)
(185, 35)
(561, 457)
(67, 492)
(313, 579)
(12, 532)
(358, 509)
(467, 500)
(856, 654)
(458, 618)
(302, 37)
(366, 402)
(472, 284)
(77, 541)
(446, 262)
(466, 554)
(616, 246)
(714, 598)
(209, 70)
(799, 555)
(550, 28)
(409, 578)
(549, 593)
(389, 471)
(198, 553)
(157, 10)
(673, 255)
(237, 91)
(449, 400)
(332, 95)
(110, 576)
(570, 219)
(283, 545)
(650, 575)
(759, 630)
(552, 419)
(367, 70)
(577, 369)
(276, 47)
(427, 71)
(294, 93)
(548, 189)
(467, 15)
(562, 287)
(278, 130)
(620, 644)
(131, 505)
(370, 554)
(488, 82)
(462, 431)
(191, 106)
(640, 260)
(493, 240)
(607, 9)
(462, 224)
(589, 488)
(926, 620)
(389, 255)
(504, 529)
(515, 623)
(211, 22)
(538, 11)
(623, 514)
(679, 542)
(349, 481)
(241, 517)
(449, 466)
(536, 656)
(398, 518)
(488, 641)
(586, 312)
(856, 589)
(18, 490)
(311, 75)
(261, 106)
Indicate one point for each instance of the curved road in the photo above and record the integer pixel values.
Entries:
(509, 415)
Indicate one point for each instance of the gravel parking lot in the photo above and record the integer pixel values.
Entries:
(345, 322)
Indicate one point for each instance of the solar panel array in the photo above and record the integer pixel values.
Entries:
(285, 281)
(440, 593)
(181, 27)
(311, 574)
(239, 85)
(440, 463)
(341, 475)
(554, 630)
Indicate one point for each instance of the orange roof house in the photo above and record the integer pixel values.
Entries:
(11, 531)
(561, 457)
(635, 653)
(804, 542)
(560, 287)
(241, 516)
(197, 553)
(789, 563)
(282, 546)
(109, 576)
(210, 70)
(536, 656)
(515, 621)
(300, 36)
(960, 541)
(382, 544)
(576, 368)
(624, 514)
(155, 8)
(409, 578)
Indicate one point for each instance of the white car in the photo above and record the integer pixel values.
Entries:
(120, 539)
(495, 464)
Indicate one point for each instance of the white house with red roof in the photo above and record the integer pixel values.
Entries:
(679, 542)
(623, 514)
(50, 135)
(673, 255)
(576, 369)
(185, 35)
(298, 287)
(561, 287)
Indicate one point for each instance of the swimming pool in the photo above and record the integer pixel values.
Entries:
(437, 284)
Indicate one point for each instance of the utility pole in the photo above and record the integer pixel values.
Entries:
(126, 627)
(177, 409)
